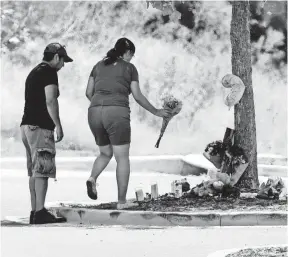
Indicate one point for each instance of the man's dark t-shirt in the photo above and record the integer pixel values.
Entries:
(35, 110)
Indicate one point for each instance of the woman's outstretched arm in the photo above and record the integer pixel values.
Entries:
(143, 101)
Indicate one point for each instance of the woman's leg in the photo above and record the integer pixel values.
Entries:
(99, 165)
(101, 162)
(106, 152)
(121, 153)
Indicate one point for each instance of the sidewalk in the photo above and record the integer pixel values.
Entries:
(71, 186)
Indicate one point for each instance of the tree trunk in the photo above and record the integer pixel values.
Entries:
(244, 111)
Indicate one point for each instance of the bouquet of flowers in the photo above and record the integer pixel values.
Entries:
(172, 104)
(237, 160)
(214, 153)
(273, 189)
(215, 148)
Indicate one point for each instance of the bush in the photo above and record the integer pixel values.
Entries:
(193, 71)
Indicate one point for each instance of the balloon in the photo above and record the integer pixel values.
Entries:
(230, 80)
(237, 89)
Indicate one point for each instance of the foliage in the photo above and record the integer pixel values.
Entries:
(193, 69)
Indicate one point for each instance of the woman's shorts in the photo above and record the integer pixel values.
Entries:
(110, 125)
(40, 151)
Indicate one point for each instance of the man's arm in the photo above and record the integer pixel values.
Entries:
(51, 92)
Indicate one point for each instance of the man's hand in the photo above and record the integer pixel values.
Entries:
(59, 134)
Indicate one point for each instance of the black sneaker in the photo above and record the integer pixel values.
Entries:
(43, 217)
(31, 220)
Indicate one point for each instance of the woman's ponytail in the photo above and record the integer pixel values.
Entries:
(111, 56)
(122, 45)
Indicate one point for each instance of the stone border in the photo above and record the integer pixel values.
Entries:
(150, 218)
(272, 159)
(224, 253)
(171, 164)
(193, 164)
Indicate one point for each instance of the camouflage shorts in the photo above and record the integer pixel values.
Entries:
(40, 151)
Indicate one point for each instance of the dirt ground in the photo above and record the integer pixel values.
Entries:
(208, 203)
(263, 252)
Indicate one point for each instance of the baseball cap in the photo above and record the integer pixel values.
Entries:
(56, 48)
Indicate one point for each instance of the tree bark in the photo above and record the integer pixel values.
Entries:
(244, 111)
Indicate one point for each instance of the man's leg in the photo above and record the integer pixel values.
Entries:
(32, 199)
(32, 193)
(31, 181)
(43, 152)
(42, 147)
(41, 185)
(29, 168)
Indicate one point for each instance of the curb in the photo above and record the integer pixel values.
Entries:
(150, 218)
(273, 159)
(224, 253)
(170, 164)
(276, 170)
(193, 164)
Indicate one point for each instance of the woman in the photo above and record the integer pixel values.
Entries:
(110, 83)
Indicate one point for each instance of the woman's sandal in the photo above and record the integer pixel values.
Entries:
(128, 204)
(91, 188)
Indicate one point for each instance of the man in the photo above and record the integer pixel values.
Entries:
(41, 116)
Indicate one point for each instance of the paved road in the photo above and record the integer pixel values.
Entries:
(113, 241)
(131, 241)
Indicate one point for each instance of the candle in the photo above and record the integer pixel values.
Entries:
(154, 191)
(139, 195)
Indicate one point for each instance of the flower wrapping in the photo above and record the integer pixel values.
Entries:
(239, 163)
(216, 160)
(238, 171)
(214, 153)
(175, 106)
